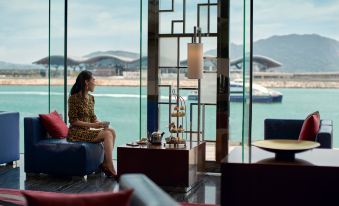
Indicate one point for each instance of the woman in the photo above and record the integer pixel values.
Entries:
(84, 125)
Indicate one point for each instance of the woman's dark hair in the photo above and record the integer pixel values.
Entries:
(80, 82)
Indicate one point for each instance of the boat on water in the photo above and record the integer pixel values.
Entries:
(260, 94)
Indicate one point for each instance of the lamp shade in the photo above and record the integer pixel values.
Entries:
(195, 61)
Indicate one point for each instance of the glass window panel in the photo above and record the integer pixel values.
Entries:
(239, 73)
(165, 4)
(192, 16)
(168, 52)
(246, 76)
(183, 50)
(166, 18)
(57, 25)
(178, 28)
(24, 41)
(210, 50)
(108, 44)
(143, 77)
(236, 71)
(213, 19)
(307, 77)
(203, 18)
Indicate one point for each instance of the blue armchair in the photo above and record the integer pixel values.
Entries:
(290, 129)
(9, 137)
(58, 156)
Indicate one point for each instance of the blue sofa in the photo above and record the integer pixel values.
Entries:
(290, 129)
(58, 156)
(9, 137)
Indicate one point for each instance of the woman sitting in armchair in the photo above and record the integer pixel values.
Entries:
(84, 125)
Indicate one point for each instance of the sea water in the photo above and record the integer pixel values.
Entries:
(121, 106)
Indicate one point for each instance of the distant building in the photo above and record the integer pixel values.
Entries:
(104, 72)
(260, 64)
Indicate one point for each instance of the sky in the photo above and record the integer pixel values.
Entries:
(114, 25)
(281, 17)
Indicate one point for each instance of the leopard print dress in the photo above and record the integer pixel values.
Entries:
(83, 110)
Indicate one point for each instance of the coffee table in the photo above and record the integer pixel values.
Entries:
(171, 168)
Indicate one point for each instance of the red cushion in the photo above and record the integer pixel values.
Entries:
(11, 197)
(54, 125)
(310, 127)
(90, 199)
(195, 204)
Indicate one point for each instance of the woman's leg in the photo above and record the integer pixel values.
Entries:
(107, 137)
(113, 133)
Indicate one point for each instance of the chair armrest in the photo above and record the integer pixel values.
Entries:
(325, 134)
(9, 136)
(33, 133)
(145, 191)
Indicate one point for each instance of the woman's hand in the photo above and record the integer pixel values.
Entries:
(98, 125)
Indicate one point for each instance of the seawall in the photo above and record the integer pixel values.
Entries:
(109, 81)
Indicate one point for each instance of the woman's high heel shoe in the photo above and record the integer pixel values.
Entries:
(107, 171)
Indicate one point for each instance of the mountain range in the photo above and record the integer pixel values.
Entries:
(296, 53)
(6, 66)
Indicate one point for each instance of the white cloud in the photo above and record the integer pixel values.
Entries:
(112, 25)
(302, 16)
(93, 25)
(102, 21)
(272, 17)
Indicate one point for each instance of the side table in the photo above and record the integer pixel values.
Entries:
(171, 168)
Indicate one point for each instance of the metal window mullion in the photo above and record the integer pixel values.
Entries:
(184, 17)
(208, 16)
(140, 69)
(49, 56)
(65, 61)
(178, 76)
(251, 76)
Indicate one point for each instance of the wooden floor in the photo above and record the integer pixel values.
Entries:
(14, 177)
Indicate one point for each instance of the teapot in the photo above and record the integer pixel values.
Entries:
(156, 137)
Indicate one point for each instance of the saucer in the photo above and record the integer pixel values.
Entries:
(141, 142)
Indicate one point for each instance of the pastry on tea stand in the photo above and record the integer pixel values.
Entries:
(178, 114)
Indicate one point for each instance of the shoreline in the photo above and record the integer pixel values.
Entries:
(269, 83)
